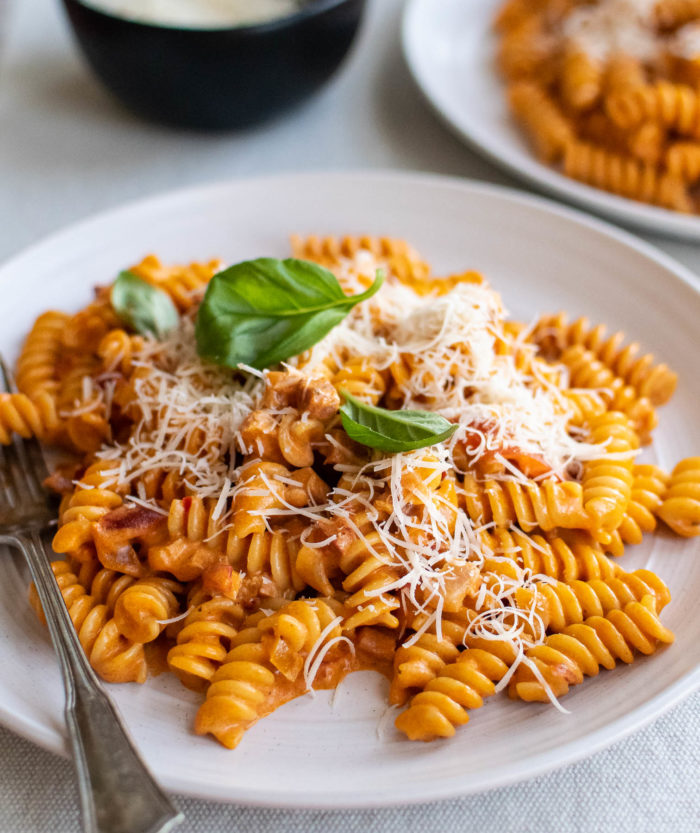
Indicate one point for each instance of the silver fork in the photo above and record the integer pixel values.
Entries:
(117, 793)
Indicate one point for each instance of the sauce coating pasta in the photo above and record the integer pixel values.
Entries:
(225, 517)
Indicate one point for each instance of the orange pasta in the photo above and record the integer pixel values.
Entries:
(606, 91)
(241, 522)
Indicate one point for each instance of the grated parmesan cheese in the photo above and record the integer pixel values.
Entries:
(459, 362)
(189, 416)
(319, 650)
(686, 41)
(614, 26)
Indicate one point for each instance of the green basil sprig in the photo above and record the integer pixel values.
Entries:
(392, 431)
(262, 312)
(143, 307)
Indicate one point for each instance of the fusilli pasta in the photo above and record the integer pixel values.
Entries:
(226, 518)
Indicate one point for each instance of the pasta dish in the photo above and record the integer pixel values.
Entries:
(283, 471)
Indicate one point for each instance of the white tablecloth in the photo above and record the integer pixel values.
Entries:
(68, 150)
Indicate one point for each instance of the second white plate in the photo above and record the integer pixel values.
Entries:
(449, 47)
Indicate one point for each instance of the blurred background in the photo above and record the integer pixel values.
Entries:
(68, 148)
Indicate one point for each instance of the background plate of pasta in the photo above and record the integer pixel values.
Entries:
(359, 500)
(596, 103)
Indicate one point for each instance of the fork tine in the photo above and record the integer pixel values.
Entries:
(7, 458)
(5, 485)
(6, 376)
(17, 487)
(25, 472)
(25, 458)
(37, 462)
(7, 492)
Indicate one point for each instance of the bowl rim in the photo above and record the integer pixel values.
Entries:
(310, 9)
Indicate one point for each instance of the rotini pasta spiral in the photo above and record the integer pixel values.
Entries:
(36, 417)
(80, 401)
(546, 125)
(586, 371)
(649, 488)
(263, 487)
(607, 483)
(564, 659)
(580, 80)
(116, 350)
(680, 508)
(546, 505)
(107, 586)
(561, 604)
(204, 640)
(675, 105)
(624, 175)
(83, 331)
(647, 143)
(367, 579)
(400, 259)
(182, 283)
(141, 610)
(360, 379)
(583, 406)
(91, 500)
(297, 437)
(445, 700)
(37, 366)
(115, 658)
(247, 685)
(416, 664)
(274, 554)
(87, 431)
(291, 633)
(239, 694)
(77, 387)
(554, 334)
(566, 557)
(194, 518)
(683, 161)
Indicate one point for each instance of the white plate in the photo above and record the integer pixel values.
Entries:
(308, 754)
(450, 48)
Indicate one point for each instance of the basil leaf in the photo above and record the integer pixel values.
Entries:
(262, 312)
(143, 307)
(392, 431)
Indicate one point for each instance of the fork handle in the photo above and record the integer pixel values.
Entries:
(117, 793)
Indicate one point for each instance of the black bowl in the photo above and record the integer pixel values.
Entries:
(216, 78)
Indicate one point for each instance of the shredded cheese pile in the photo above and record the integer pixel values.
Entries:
(614, 26)
(627, 27)
(463, 365)
(456, 367)
(426, 549)
(189, 414)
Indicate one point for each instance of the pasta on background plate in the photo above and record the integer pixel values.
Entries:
(608, 92)
(250, 526)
